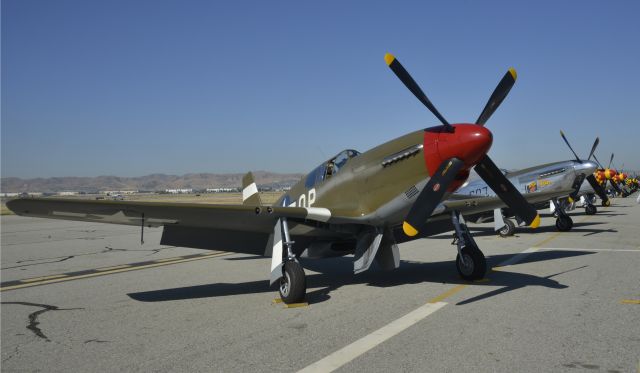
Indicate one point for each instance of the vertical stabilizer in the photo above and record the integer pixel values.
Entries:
(250, 195)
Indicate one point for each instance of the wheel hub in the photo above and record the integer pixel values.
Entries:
(466, 264)
(284, 284)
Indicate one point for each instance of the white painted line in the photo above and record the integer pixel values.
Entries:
(366, 343)
(518, 257)
(594, 250)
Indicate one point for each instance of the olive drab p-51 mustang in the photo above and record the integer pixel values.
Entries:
(354, 203)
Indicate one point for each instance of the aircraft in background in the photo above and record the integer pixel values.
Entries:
(541, 185)
(354, 203)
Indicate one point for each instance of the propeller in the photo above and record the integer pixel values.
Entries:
(613, 184)
(448, 169)
(569, 145)
(591, 179)
(610, 160)
(593, 149)
(498, 95)
(428, 201)
(408, 81)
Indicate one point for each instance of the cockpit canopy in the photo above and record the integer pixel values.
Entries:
(329, 168)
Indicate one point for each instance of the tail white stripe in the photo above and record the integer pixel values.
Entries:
(248, 191)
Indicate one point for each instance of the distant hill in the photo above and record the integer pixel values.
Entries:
(154, 182)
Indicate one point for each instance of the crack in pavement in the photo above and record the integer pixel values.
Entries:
(33, 317)
(15, 352)
(59, 259)
(33, 264)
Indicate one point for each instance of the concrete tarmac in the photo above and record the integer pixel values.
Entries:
(559, 302)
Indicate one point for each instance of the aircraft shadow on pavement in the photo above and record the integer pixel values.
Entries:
(489, 231)
(337, 272)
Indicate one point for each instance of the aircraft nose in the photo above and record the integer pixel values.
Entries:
(586, 167)
(468, 142)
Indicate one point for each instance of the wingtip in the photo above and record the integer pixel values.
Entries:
(536, 222)
(389, 58)
(409, 230)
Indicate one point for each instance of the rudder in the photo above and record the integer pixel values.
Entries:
(250, 195)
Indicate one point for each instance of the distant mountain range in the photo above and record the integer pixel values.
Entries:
(154, 182)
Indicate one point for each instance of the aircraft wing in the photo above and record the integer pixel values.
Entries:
(237, 228)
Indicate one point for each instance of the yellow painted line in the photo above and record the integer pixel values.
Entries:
(447, 294)
(112, 268)
(276, 301)
(167, 259)
(514, 259)
(89, 275)
(548, 239)
(29, 280)
(630, 301)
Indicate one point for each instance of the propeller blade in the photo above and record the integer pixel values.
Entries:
(408, 81)
(610, 160)
(569, 145)
(496, 180)
(615, 186)
(597, 188)
(597, 161)
(593, 148)
(498, 95)
(431, 195)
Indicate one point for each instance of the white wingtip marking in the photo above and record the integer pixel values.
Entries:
(318, 213)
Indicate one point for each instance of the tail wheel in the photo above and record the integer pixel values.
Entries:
(293, 283)
(606, 203)
(508, 229)
(474, 266)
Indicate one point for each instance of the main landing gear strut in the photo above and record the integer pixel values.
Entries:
(470, 262)
(293, 283)
(564, 223)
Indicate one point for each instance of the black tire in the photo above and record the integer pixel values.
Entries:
(590, 209)
(508, 230)
(477, 264)
(293, 283)
(564, 224)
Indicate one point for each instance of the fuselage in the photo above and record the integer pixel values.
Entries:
(379, 186)
(539, 183)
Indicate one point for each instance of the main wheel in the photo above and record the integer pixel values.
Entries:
(590, 209)
(474, 266)
(564, 224)
(606, 203)
(508, 229)
(293, 283)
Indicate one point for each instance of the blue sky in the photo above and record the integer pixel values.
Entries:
(131, 88)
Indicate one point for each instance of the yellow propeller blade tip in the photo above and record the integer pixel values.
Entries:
(513, 73)
(408, 229)
(389, 58)
(562, 133)
(536, 222)
(570, 200)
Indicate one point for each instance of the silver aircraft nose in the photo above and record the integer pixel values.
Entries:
(586, 167)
